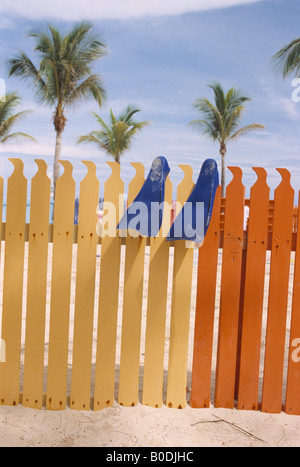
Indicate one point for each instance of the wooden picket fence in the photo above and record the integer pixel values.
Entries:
(254, 312)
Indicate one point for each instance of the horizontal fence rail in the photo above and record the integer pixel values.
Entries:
(89, 321)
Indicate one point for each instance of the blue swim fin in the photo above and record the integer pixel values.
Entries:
(144, 215)
(193, 220)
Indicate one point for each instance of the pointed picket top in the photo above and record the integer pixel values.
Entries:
(42, 170)
(285, 179)
(186, 185)
(18, 163)
(115, 169)
(261, 175)
(91, 166)
(68, 168)
(283, 197)
(187, 170)
(136, 183)
(18, 167)
(139, 168)
(237, 175)
(89, 185)
(42, 165)
(260, 188)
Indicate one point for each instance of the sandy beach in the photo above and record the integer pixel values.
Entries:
(142, 426)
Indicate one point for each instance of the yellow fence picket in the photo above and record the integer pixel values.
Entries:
(180, 312)
(60, 289)
(13, 284)
(1, 209)
(36, 288)
(156, 310)
(205, 310)
(108, 298)
(132, 305)
(85, 290)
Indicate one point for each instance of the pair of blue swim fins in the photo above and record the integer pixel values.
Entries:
(145, 214)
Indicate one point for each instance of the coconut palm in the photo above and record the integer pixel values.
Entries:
(287, 60)
(115, 137)
(221, 120)
(8, 119)
(63, 76)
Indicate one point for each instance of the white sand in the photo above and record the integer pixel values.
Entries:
(142, 426)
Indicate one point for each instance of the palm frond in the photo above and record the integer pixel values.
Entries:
(8, 104)
(8, 123)
(17, 137)
(128, 113)
(247, 129)
(222, 119)
(210, 113)
(8, 119)
(219, 96)
(287, 60)
(90, 87)
(64, 76)
(116, 136)
(22, 67)
(205, 128)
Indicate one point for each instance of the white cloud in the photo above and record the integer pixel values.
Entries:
(290, 108)
(110, 9)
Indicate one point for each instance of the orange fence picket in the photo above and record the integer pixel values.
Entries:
(248, 383)
(230, 291)
(292, 405)
(278, 295)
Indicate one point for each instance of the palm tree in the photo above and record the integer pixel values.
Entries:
(63, 76)
(116, 136)
(221, 120)
(8, 119)
(287, 60)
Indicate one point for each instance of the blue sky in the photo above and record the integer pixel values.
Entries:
(161, 57)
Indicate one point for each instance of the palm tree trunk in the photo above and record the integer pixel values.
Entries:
(223, 151)
(57, 158)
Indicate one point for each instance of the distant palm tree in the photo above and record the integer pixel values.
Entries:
(115, 137)
(63, 76)
(221, 120)
(8, 119)
(287, 60)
